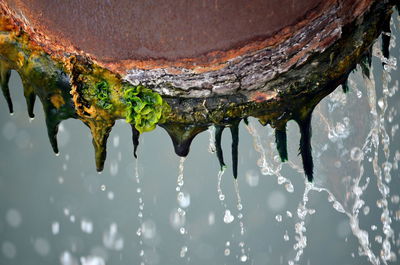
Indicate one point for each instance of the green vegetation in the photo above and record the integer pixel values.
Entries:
(102, 93)
(144, 108)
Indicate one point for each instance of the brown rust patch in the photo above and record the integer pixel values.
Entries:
(238, 27)
(57, 100)
(259, 97)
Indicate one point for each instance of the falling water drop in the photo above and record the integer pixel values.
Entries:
(86, 226)
(227, 252)
(183, 252)
(286, 236)
(55, 228)
(366, 210)
(395, 199)
(228, 217)
(139, 231)
(278, 218)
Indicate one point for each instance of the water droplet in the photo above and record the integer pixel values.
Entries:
(356, 154)
(177, 220)
(227, 252)
(221, 197)
(184, 250)
(9, 250)
(13, 218)
(149, 229)
(60, 180)
(395, 199)
(103, 187)
(182, 230)
(66, 211)
(243, 258)
(228, 217)
(286, 236)
(397, 215)
(211, 218)
(116, 141)
(366, 210)
(67, 259)
(278, 218)
(338, 207)
(381, 103)
(112, 239)
(252, 178)
(114, 168)
(86, 226)
(289, 187)
(110, 195)
(92, 260)
(55, 228)
(183, 199)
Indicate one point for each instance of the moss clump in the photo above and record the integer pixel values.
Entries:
(102, 93)
(144, 108)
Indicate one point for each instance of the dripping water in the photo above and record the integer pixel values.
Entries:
(139, 231)
(182, 198)
(211, 143)
(243, 256)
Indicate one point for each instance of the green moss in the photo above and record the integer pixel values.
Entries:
(144, 108)
(102, 93)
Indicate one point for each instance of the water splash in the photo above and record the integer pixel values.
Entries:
(268, 167)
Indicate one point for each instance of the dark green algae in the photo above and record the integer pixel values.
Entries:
(72, 86)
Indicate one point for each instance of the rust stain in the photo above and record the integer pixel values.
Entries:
(57, 100)
(59, 45)
(259, 97)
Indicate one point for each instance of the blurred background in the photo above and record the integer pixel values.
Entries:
(58, 210)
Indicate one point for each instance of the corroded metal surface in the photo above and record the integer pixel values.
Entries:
(190, 48)
(175, 29)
